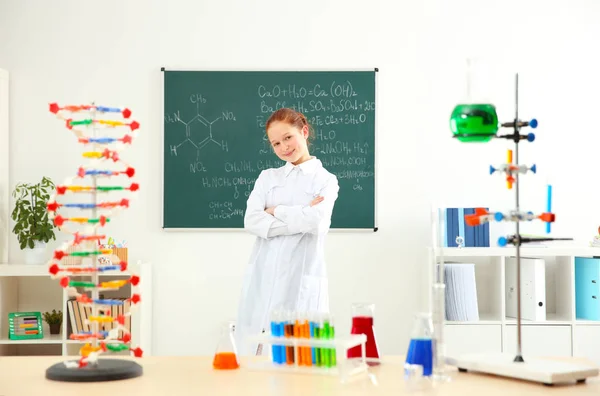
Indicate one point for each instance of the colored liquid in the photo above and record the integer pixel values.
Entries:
(277, 330)
(303, 355)
(474, 122)
(420, 352)
(225, 361)
(364, 325)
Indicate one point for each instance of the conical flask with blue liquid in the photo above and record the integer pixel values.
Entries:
(420, 349)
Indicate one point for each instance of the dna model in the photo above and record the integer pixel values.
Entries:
(89, 192)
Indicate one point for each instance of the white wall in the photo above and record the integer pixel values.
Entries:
(4, 165)
(67, 52)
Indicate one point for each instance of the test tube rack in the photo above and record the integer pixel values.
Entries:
(344, 367)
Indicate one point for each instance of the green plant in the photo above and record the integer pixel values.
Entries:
(30, 213)
(53, 317)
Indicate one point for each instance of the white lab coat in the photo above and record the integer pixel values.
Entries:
(286, 269)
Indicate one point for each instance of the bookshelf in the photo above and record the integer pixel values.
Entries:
(30, 288)
(561, 334)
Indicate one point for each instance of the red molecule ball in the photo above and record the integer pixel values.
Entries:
(137, 352)
(135, 299)
(130, 172)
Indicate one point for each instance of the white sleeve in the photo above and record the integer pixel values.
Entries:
(311, 219)
(256, 220)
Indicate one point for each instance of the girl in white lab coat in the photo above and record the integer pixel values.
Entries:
(289, 210)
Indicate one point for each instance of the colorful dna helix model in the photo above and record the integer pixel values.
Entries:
(97, 136)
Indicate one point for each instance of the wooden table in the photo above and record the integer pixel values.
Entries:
(179, 376)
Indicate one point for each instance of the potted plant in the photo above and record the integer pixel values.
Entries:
(32, 226)
(54, 320)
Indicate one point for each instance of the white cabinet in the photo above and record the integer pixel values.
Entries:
(561, 334)
(540, 340)
(586, 342)
(470, 338)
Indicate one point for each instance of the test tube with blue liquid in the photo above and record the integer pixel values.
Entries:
(313, 324)
(420, 349)
(277, 330)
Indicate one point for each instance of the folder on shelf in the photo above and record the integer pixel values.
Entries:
(461, 292)
(587, 288)
(533, 288)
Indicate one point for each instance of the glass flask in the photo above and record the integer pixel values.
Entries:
(420, 349)
(226, 353)
(362, 323)
(474, 118)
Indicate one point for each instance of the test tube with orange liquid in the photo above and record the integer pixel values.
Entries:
(289, 333)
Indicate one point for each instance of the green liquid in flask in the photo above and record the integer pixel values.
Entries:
(474, 122)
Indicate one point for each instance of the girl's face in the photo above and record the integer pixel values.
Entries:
(289, 142)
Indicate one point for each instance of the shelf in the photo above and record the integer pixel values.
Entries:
(48, 339)
(583, 322)
(23, 270)
(484, 319)
(7, 270)
(539, 251)
(551, 319)
(31, 288)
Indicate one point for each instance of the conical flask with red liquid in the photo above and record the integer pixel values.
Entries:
(362, 323)
(226, 353)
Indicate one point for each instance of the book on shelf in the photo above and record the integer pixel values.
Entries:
(461, 292)
(454, 226)
(79, 313)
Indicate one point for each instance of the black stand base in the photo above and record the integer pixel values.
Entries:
(104, 370)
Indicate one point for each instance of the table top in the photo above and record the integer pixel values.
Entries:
(185, 375)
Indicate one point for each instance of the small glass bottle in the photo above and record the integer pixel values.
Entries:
(226, 353)
(362, 323)
(420, 349)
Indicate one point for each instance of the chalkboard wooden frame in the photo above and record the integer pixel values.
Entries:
(375, 228)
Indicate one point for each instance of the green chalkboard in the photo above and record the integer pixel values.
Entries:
(215, 143)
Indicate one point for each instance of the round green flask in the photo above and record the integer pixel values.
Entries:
(475, 122)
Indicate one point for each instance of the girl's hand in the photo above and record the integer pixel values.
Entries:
(270, 211)
(316, 201)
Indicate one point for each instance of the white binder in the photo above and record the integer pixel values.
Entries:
(533, 288)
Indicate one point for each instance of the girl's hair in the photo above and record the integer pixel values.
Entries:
(291, 117)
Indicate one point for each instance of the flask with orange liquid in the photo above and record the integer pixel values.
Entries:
(226, 353)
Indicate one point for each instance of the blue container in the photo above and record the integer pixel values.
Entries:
(587, 289)
(420, 352)
(420, 349)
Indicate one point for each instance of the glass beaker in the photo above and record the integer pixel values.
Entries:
(226, 353)
(420, 349)
(362, 323)
(474, 118)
